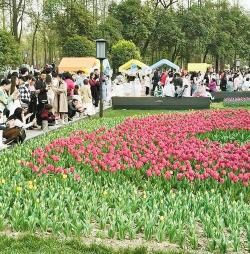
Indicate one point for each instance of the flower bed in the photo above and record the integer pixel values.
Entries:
(237, 102)
(160, 145)
(160, 177)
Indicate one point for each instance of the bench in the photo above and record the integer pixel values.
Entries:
(183, 103)
(220, 96)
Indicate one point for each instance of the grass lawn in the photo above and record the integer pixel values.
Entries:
(131, 112)
(33, 244)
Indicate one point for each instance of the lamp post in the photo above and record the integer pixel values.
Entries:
(237, 64)
(101, 55)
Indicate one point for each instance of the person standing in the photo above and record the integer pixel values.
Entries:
(230, 85)
(60, 105)
(80, 78)
(87, 97)
(186, 89)
(94, 84)
(147, 84)
(70, 85)
(24, 91)
(223, 83)
(163, 79)
(178, 83)
(246, 85)
(50, 92)
(33, 96)
(41, 90)
(155, 80)
(109, 89)
(237, 82)
(169, 89)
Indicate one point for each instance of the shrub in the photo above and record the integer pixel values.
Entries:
(122, 52)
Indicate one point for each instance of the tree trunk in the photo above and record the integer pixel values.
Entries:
(17, 17)
(151, 35)
(96, 11)
(36, 52)
(217, 64)
(222, 64)
(152, 57)
(14, 20)
(50, 52)
(174, 54)
(205, 56)
(3, 15)
(45, 50)
(33, 45)
(21, 19)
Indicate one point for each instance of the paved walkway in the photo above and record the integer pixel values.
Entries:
(35, 133)
(38, 132)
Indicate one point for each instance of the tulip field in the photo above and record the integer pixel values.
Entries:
(180, 178)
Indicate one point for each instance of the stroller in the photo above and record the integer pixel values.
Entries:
(180, 91)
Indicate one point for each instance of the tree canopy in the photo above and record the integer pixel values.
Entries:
(123, 51)
(9, 50)
(202, 31)
(77, 46)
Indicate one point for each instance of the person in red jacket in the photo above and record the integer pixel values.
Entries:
(163, 78)
(48, 115)
(70, 85)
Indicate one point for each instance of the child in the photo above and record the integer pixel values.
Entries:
(158, 90)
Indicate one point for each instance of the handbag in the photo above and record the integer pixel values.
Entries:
(6, 112)
(14, 135)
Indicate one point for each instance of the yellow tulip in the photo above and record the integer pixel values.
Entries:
(19, 189)
(64, 176)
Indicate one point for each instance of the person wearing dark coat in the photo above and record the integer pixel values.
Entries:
(94, 87)
(223, 84)
(42, 95)
(155, 80)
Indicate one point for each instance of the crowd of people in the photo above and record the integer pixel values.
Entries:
(184, 84)
(47, 98)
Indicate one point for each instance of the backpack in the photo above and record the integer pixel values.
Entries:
(14, 135)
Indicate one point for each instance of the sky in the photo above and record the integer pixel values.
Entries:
(245, 3)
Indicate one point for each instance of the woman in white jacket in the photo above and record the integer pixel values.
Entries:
(169, 89)
(186, 87)
(18, 119)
